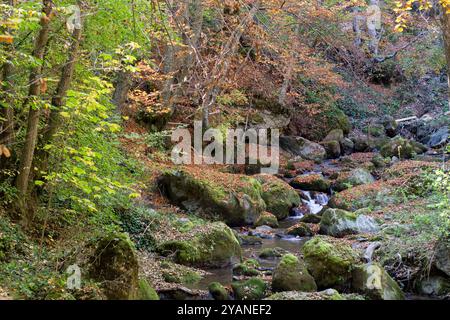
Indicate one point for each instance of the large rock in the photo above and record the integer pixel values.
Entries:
(279, 196)
(300, 230)
(335, 135)
(267, 219)
(434, 286)
(329, 294)
(442, 256)
(439, 138)
(236, 198)
(299, 146)
(332, 148)
(398, 147)
(311, 182)
(374, 282)
(218, 291)
(339, 223)
(353, 178)
(216, 246)
(291, 274)
(330, 263)
(390, 126)
(252, 289)
(114, 265)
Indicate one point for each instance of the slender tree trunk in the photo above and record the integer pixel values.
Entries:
(289, 67)
(357, 27)
(60, 94)
(121, 89)
(373, 21)
(446, 32)
(222, 65)
(26, 159)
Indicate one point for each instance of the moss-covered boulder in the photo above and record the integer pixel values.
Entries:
(279, 196)
(291, 274)
(339, 223)
(356, 177)
(272, 253)
(218, 291)
(330, 263)
(374, 282)
(398, 147)
(311, 182)
(329, 294)
(332, 148)
(267, 219)
(300, 230)
(146, 292)
(375, 195)
(304, 148)
(114, 265)
(335, 135)
(236, 198)
(252, 289)
(311, 218)
(248, 268)
(216, 246)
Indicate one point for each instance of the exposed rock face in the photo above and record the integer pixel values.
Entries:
(331, 264)
(299, 146)
(214, 248)
(115, 266)
(339, 223)
(279, 196)
(291, 275)
(435, 286)
(374, 282)
(332, 148)
(236, 198)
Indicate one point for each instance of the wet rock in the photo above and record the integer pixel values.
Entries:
(291, 274)
(252, 289)
(279, 196)
(329, 294)
(311, 182)
(331, 264)
(264, 232)
(215, 247)
(374, 282)
(354, 178)
(218, 291)
(339, 223)
(298, 146)
(442, 256)
(236, 198)
(249, 240)
(440, 138)
(300, 230)
(434, 286)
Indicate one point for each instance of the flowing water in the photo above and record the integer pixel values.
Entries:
(313, 203)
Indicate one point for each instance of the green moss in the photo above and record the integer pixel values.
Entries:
(272, 253)
(218, 291)
(292, 275)
(146, 292)
(267, 219)
(11, 239)
(252, 289)
(329, 263)
(215, 248)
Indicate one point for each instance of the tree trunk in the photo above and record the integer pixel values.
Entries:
(26, 159)
(121, 89)
(446, 32)
(290, 66)
(373, 24)
(61, 93)
(222, 65)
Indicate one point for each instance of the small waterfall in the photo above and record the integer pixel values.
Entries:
(312, 203)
